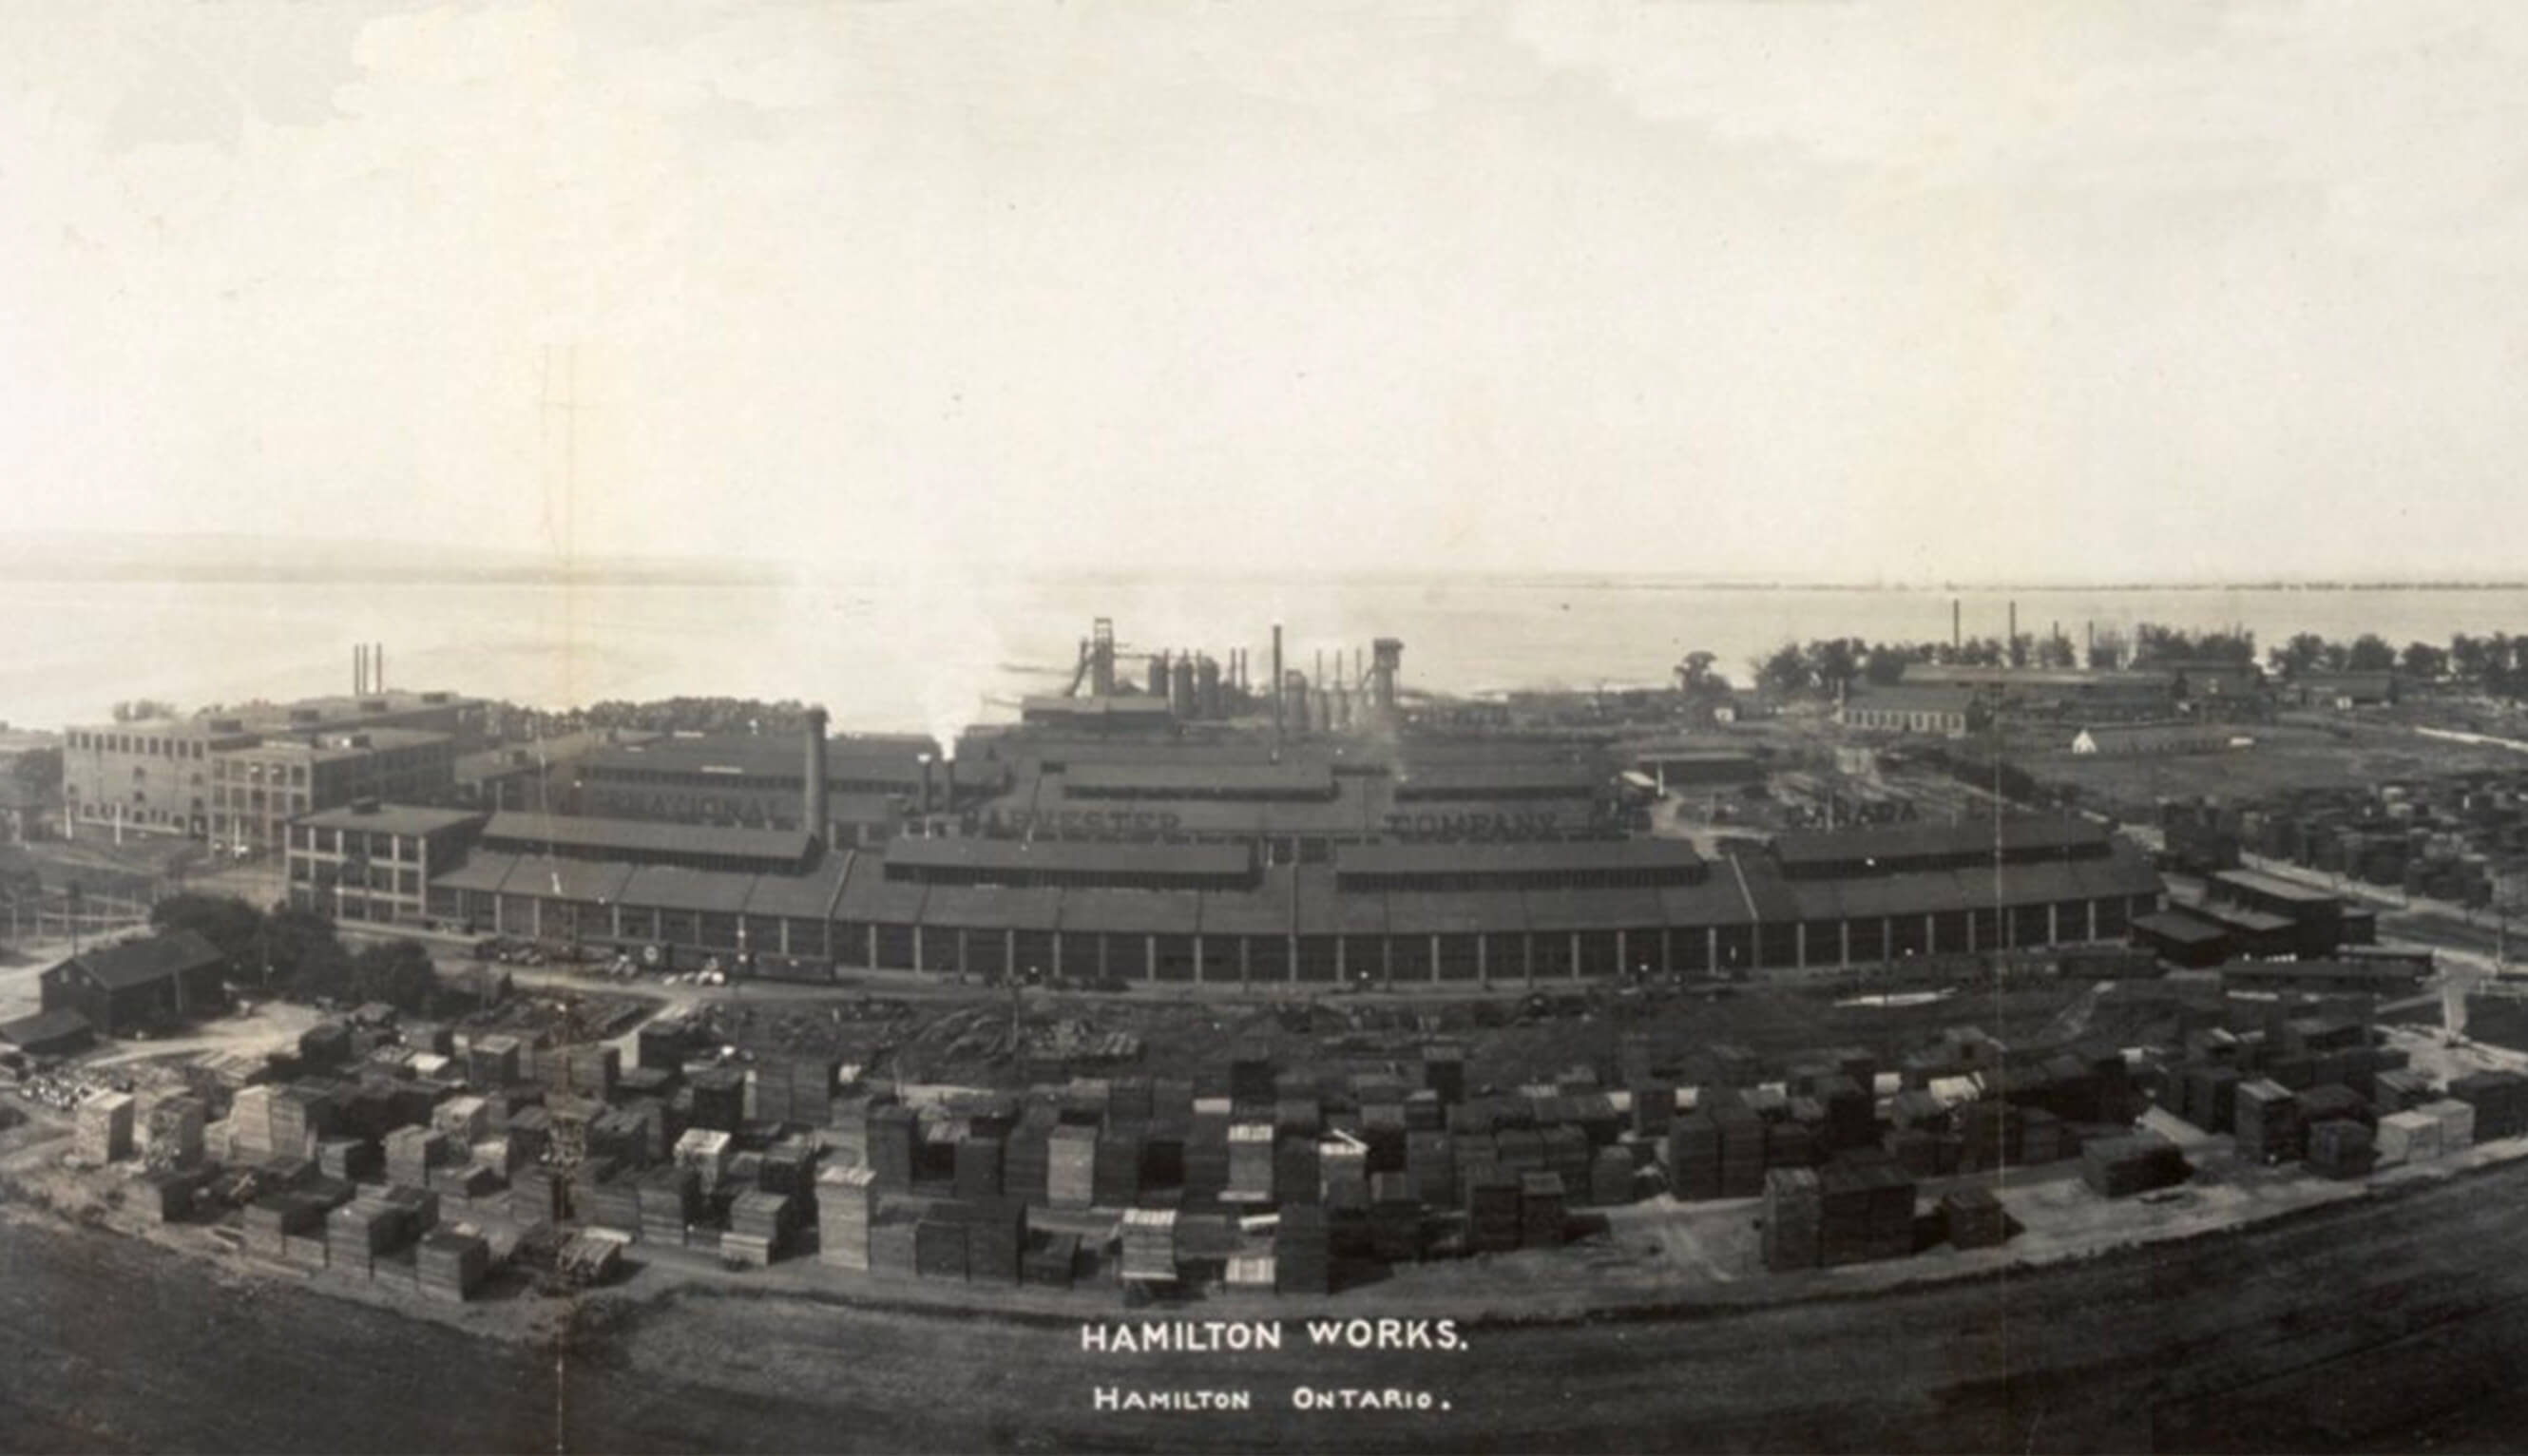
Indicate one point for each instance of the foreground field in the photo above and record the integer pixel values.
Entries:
(2384, 1322)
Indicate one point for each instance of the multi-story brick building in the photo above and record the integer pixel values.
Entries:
(373, 862)
(258, 789)
(163, 775)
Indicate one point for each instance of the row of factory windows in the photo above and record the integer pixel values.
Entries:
(1657, 949)
(368, 844)
(405, 882)
(153, 744)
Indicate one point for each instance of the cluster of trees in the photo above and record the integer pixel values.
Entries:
(2153, 642)
(1833, 664)
(143, 710)
(515, 723)
(2306, 651)
(2497, 662)
(38, 771)
(1829, 665)
(306, 958)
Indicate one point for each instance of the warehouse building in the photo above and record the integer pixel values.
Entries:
(2343, 690)
(1229, 913)
(1933, 711)
(135, 986)
(2102, 692)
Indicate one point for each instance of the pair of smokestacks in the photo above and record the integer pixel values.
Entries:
(368, 668)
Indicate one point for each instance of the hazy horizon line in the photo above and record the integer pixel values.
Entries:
(234, 556)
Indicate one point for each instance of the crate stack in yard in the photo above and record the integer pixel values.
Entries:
(1296, 1172)
(1973, 1219)
(846, 1208)
(996, 1238)
(1054, 1263)
(2139, 1163)
(172, 1132)
(2268, 1122)
(1149, 1245)
(1303, 1251)
(101, 1130)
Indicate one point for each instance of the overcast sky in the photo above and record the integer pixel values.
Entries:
(1896, 291)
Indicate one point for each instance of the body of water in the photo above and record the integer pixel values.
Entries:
(916, 652)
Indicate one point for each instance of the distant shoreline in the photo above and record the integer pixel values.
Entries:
(777, 575)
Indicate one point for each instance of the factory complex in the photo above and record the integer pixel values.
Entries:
(1217, 865)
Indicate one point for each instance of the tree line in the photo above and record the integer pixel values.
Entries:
(1833, 664)
(298, 955)
(2495, 662)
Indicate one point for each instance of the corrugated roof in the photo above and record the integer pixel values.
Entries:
(1421, 780)
(1718, 901)
(44, 1028)
(1323, 911)
(483, 869)
(669, 887)
(1268, 912)
(1898, 842)
(530, 832)
(2177, 924)
(390, 818)
(566, 879)
(2275, 886)
(1595, 909)
(992, 909)
(155, 958)
(1434, 913)
(1131, 912)
(1193, 779)
(869, 895)
(1578, 857)
(1077, 857)
(809, 896)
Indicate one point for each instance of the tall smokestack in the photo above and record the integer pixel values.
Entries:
(1957, 623)
(359, 669)
(922, 805)
(378, 670)
(2010, 644)
(1281, 689)
(811, 742)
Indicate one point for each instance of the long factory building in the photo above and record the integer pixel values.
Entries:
(1221, 915)
(1229, 865)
